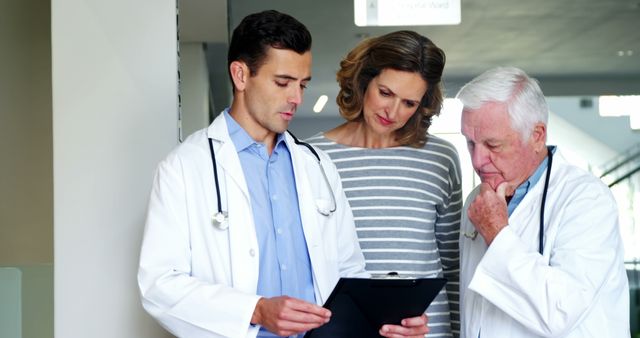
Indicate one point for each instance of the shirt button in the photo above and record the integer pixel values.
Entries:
(274, 197)
(283, 267)
(279, 231)
(252, 253)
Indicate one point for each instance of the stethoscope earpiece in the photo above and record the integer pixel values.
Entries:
(324, 212)
(472, 235)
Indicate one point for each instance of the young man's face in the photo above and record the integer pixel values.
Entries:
(273, 94)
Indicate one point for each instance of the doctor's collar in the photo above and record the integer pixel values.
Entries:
(241, 139)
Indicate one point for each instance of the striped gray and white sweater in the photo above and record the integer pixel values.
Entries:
(406, 204)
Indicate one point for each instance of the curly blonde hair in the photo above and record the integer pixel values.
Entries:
(401, 50)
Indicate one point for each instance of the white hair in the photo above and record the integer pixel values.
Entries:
(522, 95)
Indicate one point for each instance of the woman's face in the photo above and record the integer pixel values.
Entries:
(391, 99)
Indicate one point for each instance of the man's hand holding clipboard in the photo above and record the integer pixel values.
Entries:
(361, 306)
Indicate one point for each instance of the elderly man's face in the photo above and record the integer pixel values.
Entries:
(497, 152)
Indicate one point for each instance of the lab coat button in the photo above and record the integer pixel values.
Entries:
(252, 253)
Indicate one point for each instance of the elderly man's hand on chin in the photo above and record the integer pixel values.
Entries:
(488, 211)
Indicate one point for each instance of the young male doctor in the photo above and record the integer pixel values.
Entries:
(247, 229)
(541, 253)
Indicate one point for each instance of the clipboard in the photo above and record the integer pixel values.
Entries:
(360, 306)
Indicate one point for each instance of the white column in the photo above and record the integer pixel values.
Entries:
(114, 117)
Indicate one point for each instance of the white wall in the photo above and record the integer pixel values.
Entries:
(575, 145)
(114, 117)
(194, 88)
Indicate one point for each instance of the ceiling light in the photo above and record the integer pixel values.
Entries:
(628, 105)
(634, 121)
(628, 52)
(322, 100)
(611, 105)
(406, 12)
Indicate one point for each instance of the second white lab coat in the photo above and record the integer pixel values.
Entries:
(578, 288)
(200, 281)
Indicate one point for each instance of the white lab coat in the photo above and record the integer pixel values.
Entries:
(578, 288)
(200, 281)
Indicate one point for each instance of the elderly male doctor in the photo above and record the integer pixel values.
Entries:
(541, 253)
(248, 230)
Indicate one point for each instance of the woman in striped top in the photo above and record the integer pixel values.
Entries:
(403, 185)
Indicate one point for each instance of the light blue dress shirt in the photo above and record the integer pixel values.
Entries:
(285, 267)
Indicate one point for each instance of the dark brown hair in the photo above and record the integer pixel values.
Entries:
(259, 31)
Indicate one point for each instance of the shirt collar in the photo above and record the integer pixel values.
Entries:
(241, 139)
(533, 179)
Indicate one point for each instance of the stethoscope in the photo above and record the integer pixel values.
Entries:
(474, 233)
(221, 217)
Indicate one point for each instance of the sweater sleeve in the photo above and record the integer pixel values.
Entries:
(447, 230)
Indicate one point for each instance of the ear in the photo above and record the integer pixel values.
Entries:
(239, 74)
(539, 136)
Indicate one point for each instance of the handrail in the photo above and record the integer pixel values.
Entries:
(625, 176)
(621, 159)
(620, 164)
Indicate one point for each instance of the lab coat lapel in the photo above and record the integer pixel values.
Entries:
(529, 209)
(304, 170)
(226, 154)
(303, 189)
(244, 251)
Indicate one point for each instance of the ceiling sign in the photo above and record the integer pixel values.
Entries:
(406, 12)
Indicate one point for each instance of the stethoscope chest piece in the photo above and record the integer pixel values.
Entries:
(219, 220)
